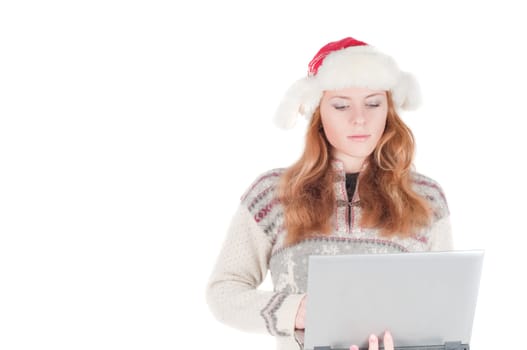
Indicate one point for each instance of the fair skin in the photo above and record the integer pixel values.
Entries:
(353, 120)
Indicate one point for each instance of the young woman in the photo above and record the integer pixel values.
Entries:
(353, 190)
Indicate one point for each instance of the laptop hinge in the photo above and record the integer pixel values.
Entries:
(456, 345)
(447, 346)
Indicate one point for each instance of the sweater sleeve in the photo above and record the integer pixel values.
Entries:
(242, 265)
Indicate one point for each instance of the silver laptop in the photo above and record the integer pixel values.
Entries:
(424, 299)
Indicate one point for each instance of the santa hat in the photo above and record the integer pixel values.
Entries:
(343, 64)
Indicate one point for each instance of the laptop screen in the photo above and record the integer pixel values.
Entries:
(422, 298)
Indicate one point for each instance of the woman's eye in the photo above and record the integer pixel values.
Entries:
(340, 107)
(373, 105)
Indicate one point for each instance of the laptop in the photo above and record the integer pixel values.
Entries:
(426, 300)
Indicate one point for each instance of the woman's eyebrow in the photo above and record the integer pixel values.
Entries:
(349, 98)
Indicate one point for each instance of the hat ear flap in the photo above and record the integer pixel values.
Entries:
(407, 93)
(302, 98)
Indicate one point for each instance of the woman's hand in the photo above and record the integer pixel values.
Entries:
(374, 342)
(300, 320)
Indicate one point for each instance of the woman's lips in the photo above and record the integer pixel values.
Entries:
(358, 138)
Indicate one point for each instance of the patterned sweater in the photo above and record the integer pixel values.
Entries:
(255, 244)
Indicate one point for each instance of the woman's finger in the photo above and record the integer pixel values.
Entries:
(373, 342)
(300, 319)
(388, 341)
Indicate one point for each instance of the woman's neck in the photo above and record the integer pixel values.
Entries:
(351, 164)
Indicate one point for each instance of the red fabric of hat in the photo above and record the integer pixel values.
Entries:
(329, 48)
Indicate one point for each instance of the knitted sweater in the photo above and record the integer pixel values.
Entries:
(255, 244)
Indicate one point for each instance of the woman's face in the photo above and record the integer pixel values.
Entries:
(353, 120)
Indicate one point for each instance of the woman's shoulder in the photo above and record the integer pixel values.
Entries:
(432, 191)
(426, 183)
(263, 185)
(261, 200)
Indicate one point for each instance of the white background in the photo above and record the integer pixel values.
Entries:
(129, 130)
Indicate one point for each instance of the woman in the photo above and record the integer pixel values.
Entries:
(352, 191)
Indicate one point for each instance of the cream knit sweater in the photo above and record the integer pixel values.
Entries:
(254, 245)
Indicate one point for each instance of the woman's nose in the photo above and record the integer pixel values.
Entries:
(357, 116)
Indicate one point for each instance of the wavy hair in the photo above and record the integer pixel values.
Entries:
(387, 200)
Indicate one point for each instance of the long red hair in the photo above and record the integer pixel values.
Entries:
(387, 199)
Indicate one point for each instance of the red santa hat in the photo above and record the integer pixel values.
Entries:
(343, 64)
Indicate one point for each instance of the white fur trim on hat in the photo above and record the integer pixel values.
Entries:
(357, 66)
(302, 98)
